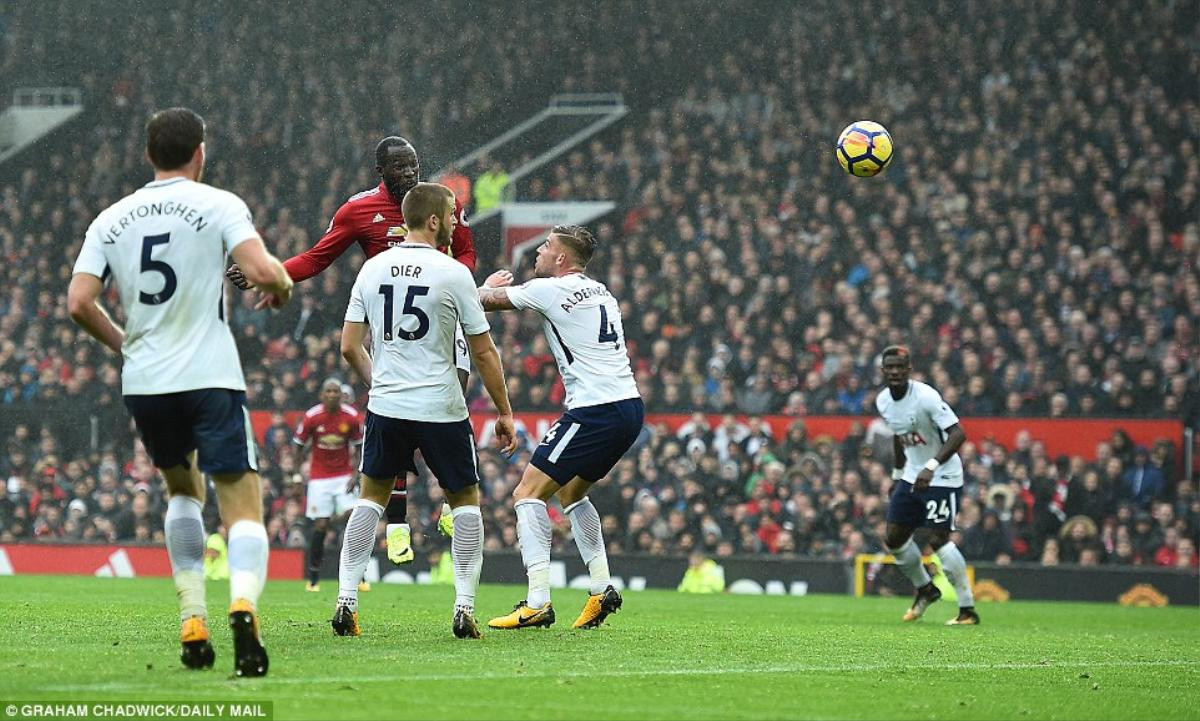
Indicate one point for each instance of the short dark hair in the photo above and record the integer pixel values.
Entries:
(900, 351)
(579, 239)
(391, 141)
(422, 201)
(172, 136)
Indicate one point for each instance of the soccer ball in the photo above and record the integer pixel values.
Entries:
(864, 148)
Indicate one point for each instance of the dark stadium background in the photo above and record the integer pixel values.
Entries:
(1034, 241)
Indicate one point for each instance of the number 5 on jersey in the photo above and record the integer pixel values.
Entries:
(414, 291)
(150, 265)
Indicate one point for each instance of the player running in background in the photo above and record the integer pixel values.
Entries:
(604, 414)
(412, 299)
(928, 477)
(334, 429)
(166, 246)
(374, 219)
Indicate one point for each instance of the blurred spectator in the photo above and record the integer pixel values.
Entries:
(490, 187)
(1143, 481)
(703, 575)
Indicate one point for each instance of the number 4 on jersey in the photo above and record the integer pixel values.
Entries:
(608, 331)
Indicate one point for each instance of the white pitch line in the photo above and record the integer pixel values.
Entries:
(622, 673)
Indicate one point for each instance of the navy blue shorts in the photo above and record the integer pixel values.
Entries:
(587, 442)
(448, 449)
(213, 422)
(937, 507)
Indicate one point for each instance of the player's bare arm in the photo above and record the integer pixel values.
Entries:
(492, 294)
(955, 437)
(263, 271)
(487, 360)
(353, 335)
(83, 304)
(897, 457)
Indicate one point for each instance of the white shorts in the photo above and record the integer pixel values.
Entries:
(462, 356)
(327, 497)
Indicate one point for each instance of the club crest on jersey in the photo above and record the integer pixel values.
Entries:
(397, 231)
(344, 427)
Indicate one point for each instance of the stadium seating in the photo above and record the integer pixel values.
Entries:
(1034, 242)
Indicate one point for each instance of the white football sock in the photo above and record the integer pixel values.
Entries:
(955, 567)
(247, 560)
(585, 526)
(357, 542)
(533, 532)
(467, 552)
(908, 558)
(184, 529)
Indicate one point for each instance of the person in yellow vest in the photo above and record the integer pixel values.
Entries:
(441, 568)
(490, 187)
(216, 557)
(703, 575)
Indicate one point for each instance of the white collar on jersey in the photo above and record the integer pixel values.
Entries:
(161, 183)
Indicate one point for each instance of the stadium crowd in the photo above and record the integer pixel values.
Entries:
(1034, 243)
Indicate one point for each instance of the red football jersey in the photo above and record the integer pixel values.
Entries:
(373, 219)
(331, 435)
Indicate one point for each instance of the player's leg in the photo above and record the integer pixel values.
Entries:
(344, 503)
(169, 444)
(603, 598)
(399, 533)
(607, 433)
(954, 564)
(534, 535)
(184, 531)
(449, 450)
(316, 552)
(319, 507)
(386, 452)
(358, 541)
(466, 549)
(906, 513)
(226, 449)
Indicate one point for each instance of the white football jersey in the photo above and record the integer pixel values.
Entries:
(582, 322)
(166, 248)
(414, 297)
(919, 420)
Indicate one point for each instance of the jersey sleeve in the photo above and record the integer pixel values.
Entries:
(470, 310)
(91, 258)
(340, 235)
(939, 410)
(356, 309)
(537, 294)
(237, 225)
(303, 432)
(462, 241)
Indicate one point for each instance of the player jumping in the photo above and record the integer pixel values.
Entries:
(375, 220)
(604, 415)
(165, 247)
(413, 300)
(929, 477)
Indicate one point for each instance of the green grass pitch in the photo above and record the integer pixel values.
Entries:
(665, 655)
